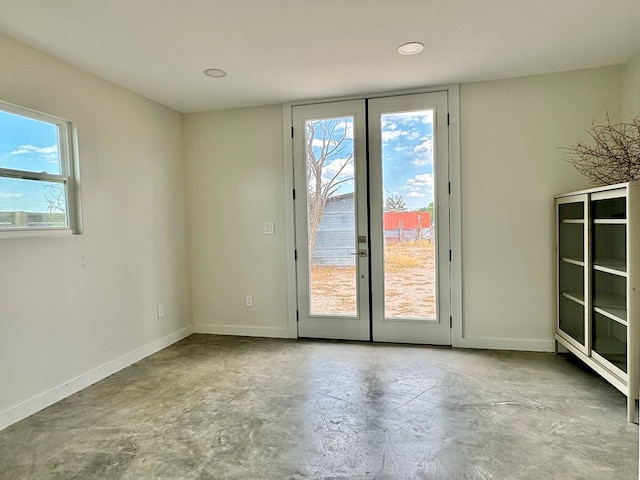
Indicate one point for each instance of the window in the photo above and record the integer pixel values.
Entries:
(38, 173)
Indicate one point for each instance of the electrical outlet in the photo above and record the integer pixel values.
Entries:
(248, 301)
(269, 228)
(160, 310)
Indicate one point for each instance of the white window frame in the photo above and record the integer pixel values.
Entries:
(69, 174)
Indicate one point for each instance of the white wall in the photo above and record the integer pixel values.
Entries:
(512, 166)
(235, 184)
(631, 88)
(76, 308)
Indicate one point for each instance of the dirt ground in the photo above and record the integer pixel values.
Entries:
(409, 284)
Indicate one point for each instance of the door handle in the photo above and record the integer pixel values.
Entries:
(361, 253)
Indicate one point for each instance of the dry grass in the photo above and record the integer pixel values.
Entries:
(409, 284)
(396, 262)
(334, 290)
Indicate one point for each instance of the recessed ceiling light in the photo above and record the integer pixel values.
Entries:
(215, 73)
(410, 48)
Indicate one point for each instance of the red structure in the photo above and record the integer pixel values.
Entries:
(410, 220)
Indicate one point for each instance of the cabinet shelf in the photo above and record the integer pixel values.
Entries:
(610, 221)
(612, 306)
(573, 261)
(614, 266)
(577, 297)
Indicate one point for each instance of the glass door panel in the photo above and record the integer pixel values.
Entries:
(573, 279)
(331, 217)
(409, 260)
(409, 215)
(609, 258)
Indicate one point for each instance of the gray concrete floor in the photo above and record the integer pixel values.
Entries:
(213, 407)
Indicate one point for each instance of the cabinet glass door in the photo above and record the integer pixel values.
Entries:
(573, 279)
(609, 296)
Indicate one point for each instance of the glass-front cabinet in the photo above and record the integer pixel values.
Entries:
(597, 267)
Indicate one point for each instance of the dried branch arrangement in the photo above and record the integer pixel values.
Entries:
(613, 155)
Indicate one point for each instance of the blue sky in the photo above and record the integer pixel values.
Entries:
(407, 157)
(30, 145)
(407, 152)
(407, 149)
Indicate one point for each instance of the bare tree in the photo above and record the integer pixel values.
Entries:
(54, 194)
(394, 203)
(328, 137)
(612, 156)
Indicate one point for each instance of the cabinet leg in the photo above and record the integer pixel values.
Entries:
(632, 410)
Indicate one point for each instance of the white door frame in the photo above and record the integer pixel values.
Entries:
(435, 331)
(453, 94)
(323, 325)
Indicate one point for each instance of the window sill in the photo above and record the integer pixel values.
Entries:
(62, 232)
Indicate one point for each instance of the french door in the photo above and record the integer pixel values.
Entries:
(372, 219)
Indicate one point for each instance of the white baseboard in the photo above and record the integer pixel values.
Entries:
(488, 343)
(44, 400)
(243, 331)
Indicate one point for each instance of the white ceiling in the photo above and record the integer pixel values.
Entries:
(288, 50)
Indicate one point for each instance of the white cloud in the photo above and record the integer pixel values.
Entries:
(388, 135)
(424, 153)
(422, 179)
(339, 127)
(349, 127)
(416, 195)
(22, 149)
(405, 125)
(427, 117)
(420, 186)
(11, 195)
(49, 154)
(318, 142)
(388, 122)
(426, 146)
(334, 167)
(407, 118)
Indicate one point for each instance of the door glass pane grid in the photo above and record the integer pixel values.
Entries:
(572, 319)
(331, 214)
(610, 208)
(610, 340)
(572, 301)
(409, 224)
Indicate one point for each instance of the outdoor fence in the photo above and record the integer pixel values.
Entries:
(335, 239)
(10, 220)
